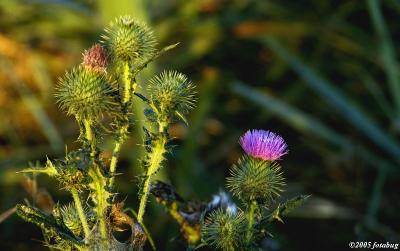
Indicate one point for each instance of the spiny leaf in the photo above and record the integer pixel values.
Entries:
(49, 169)
(48, 222)
(285, 208)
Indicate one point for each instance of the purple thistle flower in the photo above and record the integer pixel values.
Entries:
(262, 144)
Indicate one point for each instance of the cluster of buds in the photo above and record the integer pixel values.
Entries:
(104, 85)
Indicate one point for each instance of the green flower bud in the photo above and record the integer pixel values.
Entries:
(129, 40)
(255, 179)
(224, 230)
(84, 93)
(172, 94)
(71, 218)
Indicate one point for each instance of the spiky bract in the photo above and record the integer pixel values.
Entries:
(172, 93)
(71, 219)
(255, 179)
(84, 94)
(129, 40)
(224, 230)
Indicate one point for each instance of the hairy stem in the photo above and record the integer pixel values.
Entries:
(115, 154)
(90, 137)
(129, 90)
(98, 184)
(127, 84)
(81, 212)
(154, 163)
(250, 215)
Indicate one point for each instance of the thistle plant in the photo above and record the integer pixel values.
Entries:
(102, 88)
(257, 181)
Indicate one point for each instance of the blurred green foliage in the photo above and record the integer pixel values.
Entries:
(323, 74)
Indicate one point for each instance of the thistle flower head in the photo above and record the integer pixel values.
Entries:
(223, 230)
(95, 58)
(255, 179)
(129, 40)
(84, 93)
(262, 144)
(172, 93)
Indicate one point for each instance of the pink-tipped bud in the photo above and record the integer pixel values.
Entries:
(95, 58)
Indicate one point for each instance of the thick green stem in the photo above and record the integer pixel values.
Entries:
(90, 137)
(98, 183)
(154, 163)
(129, 90)
(250, 215)
(127, 84)
(114, 159)
(101, 195)
(81, 212)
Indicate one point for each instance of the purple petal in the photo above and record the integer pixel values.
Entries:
(262, 144)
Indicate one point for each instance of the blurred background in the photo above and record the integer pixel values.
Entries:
(323, 74)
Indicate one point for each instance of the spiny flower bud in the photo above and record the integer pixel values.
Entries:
(262, 144)
(172, 93)
(71, 218)
(129, 40)
(84, 93)
(95, 58)
(255, 180)
(224, 230)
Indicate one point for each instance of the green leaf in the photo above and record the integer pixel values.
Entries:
(49, 169)
(47, 222)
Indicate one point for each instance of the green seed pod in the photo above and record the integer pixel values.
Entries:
(172, 94)
(129, 40)
(255, 179)
(84, 93)
(224, 230)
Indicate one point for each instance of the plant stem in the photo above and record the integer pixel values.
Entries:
(129, 90)
(127, 84)
(154, 162)
(81, 212)
(90, 137)
(252, 209)
(114, 159)
(98, 183)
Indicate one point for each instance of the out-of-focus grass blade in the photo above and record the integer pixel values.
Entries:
(190, 165)
(373, 87)
(376, 196)
(386, 49)
(306, 123)
(338, 101)
(290, 115)
(33, 104)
